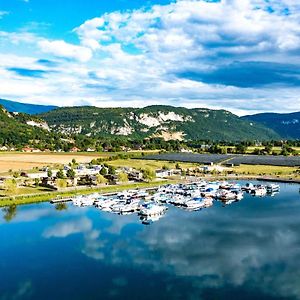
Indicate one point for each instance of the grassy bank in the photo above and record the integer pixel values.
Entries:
(45, 197)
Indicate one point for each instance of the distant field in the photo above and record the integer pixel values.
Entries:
(266, 170)
(152, 164)
(26, 161)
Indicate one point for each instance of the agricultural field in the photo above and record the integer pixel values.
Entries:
(26, 161)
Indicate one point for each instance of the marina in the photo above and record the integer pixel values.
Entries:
(152, 204)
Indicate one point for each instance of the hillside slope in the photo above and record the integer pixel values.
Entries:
(15, 131)
(161, 121)
(31, 109)
(285, 125)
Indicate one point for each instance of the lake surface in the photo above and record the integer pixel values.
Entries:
(247, 250)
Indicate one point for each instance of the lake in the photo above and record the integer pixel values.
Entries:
(247, 250)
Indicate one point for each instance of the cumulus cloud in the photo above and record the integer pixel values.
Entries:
(65, 50)
(220, 54)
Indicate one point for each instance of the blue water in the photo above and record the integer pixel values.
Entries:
(247, 250)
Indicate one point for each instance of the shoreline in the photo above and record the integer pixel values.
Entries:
(49, 196)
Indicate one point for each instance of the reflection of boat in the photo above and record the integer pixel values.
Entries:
(271, 188)
(148, 209)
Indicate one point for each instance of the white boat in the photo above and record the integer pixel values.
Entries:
(271, 188)
(149, 219)
(148, 209)
(259, 191)
(107, 204)
(248, 186)
(125, 208)
(84, 200)
(198, 203)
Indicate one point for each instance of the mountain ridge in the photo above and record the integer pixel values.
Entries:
(155, 121)
(14, 106)
(287, 125)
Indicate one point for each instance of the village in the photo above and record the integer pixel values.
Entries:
(76, 175)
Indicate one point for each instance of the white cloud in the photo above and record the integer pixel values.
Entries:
(65, 50)
(136, 58)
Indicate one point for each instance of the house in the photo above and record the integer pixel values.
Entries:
(3, 148)
(74, 149)
(90, 150)
(27, 149)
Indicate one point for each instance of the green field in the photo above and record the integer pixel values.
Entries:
(267, 170)
(151, 164)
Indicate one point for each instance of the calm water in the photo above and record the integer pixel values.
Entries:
(247, 250)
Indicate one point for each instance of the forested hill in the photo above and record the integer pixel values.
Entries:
(31, 109)
(156, 121)
(14, 131)
(286, 125)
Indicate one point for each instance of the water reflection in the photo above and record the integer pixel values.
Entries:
(246, 250)
(10, 212)
(61, 206)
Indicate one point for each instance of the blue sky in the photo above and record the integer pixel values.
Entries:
(240, 55)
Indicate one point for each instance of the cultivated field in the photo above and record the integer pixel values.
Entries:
(26, 161)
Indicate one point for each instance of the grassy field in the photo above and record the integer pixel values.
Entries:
(151, 164)
(24, 191)
(265, 170)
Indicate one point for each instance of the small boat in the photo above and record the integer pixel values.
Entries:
(84, 200)
(259, 191)
(198, 203)
(149, 209)
(149, 219)
(272, 188)
(248, 187)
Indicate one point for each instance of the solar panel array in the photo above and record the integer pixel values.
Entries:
(289, 161)
(189, 157)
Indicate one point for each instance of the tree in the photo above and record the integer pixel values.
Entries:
(71, 173)
(111, 170)
(123, 177)
(148, 174)
(240, 148)
(101, 179)
(10, 185)
(36, 181)
(61, 183)
(177, 166)
(60, 174)
(103, 171)
(49, 173)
